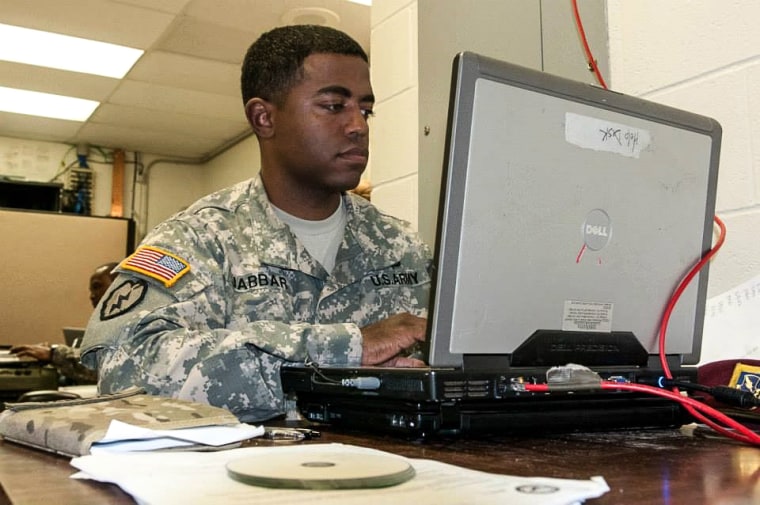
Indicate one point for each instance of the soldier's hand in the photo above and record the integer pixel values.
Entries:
(41, 353)
(386, 342)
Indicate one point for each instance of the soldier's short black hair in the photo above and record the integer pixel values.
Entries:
(274, 62)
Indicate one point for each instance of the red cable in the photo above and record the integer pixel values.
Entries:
(586, 48)
(741, 433)
(681, 288)
(663, 331)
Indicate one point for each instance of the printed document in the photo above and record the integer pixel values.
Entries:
(167, 478)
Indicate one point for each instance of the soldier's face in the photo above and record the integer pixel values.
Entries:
(99, 283)
(321, 128)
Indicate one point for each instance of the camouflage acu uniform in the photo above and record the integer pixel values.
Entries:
(253, 298)
(70, 427)
(66, 360)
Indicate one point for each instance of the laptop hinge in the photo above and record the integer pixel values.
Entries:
(555, 348)
(674, 362)
(484, 362)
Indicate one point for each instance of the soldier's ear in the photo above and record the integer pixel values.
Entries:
(260, 114)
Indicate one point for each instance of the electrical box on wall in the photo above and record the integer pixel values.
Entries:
(76, 197)
(30, 195)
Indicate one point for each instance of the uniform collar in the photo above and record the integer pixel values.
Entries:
(365, 247)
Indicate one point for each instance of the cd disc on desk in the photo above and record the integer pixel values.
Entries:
(321, 470)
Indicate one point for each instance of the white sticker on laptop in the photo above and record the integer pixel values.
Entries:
(601, 135)
(587, 316)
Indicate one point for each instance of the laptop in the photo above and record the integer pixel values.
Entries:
(8, 359)
(568, 216)
(73, 336)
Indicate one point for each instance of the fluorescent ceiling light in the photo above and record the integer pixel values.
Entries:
(33, 103)
(362, 2)
(46, 49)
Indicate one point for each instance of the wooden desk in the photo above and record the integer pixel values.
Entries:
(645, 467)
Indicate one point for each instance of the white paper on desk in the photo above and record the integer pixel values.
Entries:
(200, 478)
(732, 324)
(124, 437)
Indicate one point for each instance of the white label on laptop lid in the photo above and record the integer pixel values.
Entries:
(601, 135)
(587, 316)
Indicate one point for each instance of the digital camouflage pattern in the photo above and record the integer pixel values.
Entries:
(70, 427)
(66, 360)
(253, 299)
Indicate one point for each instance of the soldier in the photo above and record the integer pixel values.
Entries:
(283, 267)
(64, 358)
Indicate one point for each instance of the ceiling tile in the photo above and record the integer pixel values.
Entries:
(170, 6)
(39, 128)
(57, 82)
(161, 121)
(258, 16)
(136, 139)
(102, 20)
(196, 37)
(252, 16)
(186, 72)
(163, 98)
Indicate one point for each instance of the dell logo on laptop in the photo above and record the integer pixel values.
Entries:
(599, 231)
(596, 229)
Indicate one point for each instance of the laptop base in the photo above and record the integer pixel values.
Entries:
(420, 420)
(446, 402)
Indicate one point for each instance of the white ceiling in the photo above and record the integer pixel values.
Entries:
(182, 97)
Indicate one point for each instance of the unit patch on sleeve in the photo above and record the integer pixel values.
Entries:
(156, 264)
(122, 299)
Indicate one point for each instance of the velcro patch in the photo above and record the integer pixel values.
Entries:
(157, 264)
(123, 298)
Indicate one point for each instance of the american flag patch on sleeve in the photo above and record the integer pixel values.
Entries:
(157, 264)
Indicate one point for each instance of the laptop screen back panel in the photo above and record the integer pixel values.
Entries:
(570, 209)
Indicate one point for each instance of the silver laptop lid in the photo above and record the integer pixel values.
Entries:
(567, 208)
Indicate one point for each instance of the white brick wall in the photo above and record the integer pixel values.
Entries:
(393, 168)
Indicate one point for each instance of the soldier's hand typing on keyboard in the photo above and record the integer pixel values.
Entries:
(386, 342)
